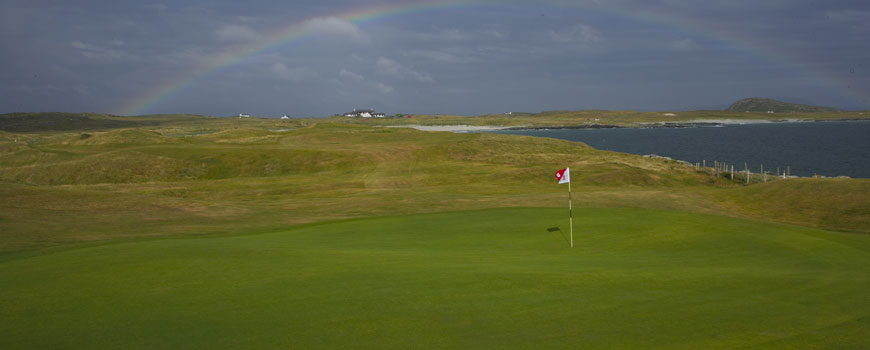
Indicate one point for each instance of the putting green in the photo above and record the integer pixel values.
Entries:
(473, 279)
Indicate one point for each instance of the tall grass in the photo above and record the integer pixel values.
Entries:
(225, 175)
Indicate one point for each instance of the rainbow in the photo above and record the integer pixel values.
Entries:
(288, 34)
(277, 38)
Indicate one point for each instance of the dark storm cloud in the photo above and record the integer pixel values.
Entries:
(490, 57)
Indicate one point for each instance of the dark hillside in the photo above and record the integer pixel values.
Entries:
(56, 121)
(763, 105)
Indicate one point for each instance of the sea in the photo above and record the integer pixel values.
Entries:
(830, 148)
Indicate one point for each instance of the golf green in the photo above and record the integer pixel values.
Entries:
(498, 278)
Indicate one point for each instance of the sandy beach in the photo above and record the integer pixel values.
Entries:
(729, 121)
(451, 128)
(695, 122)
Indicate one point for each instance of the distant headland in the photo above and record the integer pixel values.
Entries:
(766, 105)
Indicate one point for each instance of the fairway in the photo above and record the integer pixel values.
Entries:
(495, 278)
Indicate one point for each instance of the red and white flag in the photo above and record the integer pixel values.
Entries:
(564, 176)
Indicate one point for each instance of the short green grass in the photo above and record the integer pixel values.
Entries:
(495, 278)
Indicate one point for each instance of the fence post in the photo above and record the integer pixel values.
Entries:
(746, 166)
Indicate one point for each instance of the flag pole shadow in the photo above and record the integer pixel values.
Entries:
(554, 229)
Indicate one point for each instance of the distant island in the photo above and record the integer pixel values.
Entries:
(766, 105)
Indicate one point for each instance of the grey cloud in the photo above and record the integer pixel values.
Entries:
(97, 53)
(452, 35)
(848, 15)
(96, 56)
(443, 56)
(686, 44)
(234, 32)
(395, 69)
(297, 74)
(359, 84)
(436, 35)
(579, 33)
(496, 34)
(157, 6)
(350, 75)
(336, 27)
(384, 88)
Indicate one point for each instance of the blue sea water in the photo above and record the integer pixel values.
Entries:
(839, 148)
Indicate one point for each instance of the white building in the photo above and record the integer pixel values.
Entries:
(364, 113)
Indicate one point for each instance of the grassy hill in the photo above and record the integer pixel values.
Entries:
(58, 121)
(55, 121)
(764, 105)
(211, 232)
(199, 177)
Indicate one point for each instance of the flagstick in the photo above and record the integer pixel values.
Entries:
(570, 213)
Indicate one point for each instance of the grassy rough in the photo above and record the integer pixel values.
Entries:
(222, 175)
(840, 204)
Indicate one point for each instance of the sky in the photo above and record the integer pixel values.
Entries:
(307, 58)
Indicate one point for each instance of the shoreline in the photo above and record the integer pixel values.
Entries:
(451, 128)
(697, 123)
